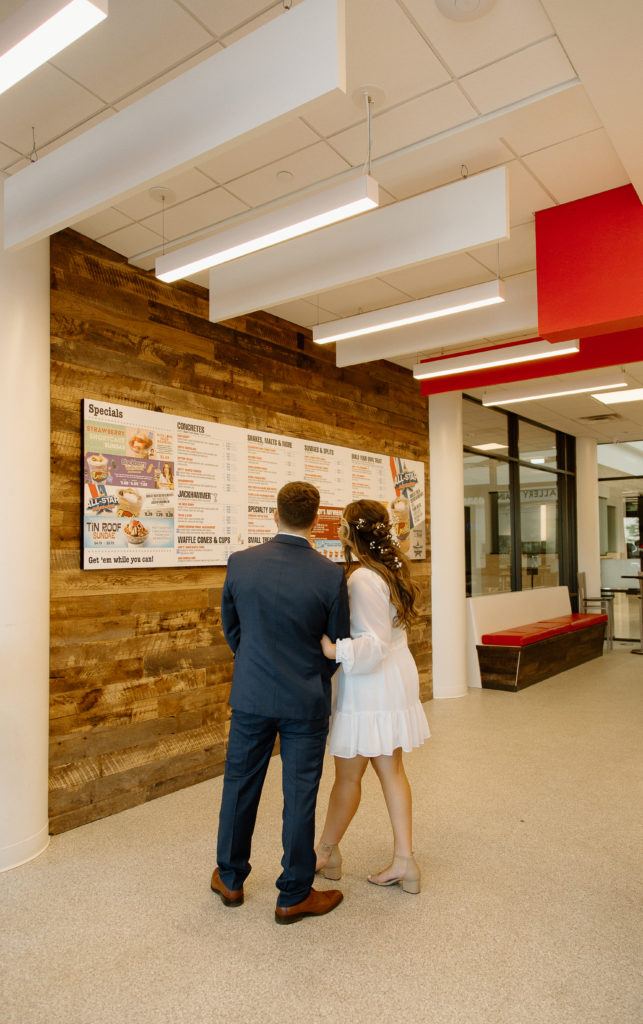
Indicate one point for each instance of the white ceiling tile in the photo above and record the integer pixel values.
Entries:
(376, 35)
(132, 239)
(262, 19)
(517, 255)
(308, 166)
(548, 121)
(361, 297)
(539, 67)
(509, 26)
(526, 195)
(272, 143)
(301, 313)
(436, 276)
(579, 167)
(440, 162)
(184, 186)
(196, 214)
(103, 223)
(8, 156)
(137, 42)
(225, 15)
(168, 75)
(46, 100)
(417, 119)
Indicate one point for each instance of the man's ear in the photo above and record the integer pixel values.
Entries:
(276, 517)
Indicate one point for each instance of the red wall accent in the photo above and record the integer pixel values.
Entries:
(589, 260)
(605, 350)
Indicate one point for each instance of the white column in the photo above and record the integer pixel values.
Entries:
(24, 552)
(448, 586)
(589, 541)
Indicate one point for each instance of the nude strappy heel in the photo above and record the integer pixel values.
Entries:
(410, 880)
(332, 869)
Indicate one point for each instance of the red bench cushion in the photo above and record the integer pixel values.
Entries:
(532, 632)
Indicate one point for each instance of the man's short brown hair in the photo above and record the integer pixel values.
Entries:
(297, 505)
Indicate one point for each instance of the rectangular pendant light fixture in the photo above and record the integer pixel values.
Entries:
(605, 381)
(39, 30)
(446, 304)
(308, 214)
(484, 359)
(298, 57)
(635, 395)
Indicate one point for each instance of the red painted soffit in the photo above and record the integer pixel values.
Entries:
(604, 350)
(589, 264)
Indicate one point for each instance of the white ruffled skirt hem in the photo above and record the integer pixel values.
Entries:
(371, 733)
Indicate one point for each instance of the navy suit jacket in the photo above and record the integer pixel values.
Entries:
(278, 600)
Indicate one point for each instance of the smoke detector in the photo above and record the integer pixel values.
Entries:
(464, 10)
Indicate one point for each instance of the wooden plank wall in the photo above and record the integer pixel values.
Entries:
(140, 671)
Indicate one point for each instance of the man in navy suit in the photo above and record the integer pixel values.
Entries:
(278, 601)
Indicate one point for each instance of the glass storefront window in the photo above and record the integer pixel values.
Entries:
(538, 528)
(484, 429)
(536, 444)
(620, 473)
(487, 525)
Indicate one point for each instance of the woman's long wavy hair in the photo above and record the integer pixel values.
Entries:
(365, 533)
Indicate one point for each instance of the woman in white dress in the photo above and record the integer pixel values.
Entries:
(378, 713)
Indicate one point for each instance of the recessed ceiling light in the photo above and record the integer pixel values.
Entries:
(491, 447)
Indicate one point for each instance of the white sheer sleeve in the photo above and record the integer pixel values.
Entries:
(370, 637)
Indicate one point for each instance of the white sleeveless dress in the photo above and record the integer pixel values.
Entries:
(377, 701)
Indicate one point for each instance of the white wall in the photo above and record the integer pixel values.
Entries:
(24, 552)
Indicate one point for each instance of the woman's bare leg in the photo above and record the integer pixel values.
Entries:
(397, 794)
(344, 801)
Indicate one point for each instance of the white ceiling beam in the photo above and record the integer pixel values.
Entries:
(516, 315)
(456, 218)
(267, 74)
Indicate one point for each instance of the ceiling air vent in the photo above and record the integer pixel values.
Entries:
(602, 416)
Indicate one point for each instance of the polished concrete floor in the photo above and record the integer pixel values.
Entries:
(527, 812)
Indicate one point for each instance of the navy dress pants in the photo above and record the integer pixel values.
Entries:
(250, 744)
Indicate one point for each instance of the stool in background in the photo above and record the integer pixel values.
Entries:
(606, 603)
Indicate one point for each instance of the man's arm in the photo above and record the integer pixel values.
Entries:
(339, 619)
(229, 618)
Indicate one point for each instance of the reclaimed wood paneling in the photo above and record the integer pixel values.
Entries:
(140, 671)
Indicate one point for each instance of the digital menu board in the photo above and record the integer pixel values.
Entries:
(162, 490)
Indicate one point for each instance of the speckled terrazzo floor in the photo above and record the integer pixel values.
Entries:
(527, 814)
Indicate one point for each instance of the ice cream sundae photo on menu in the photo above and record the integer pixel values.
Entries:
(135, 532)
(130, 502)
(140, 443)
(97, 467)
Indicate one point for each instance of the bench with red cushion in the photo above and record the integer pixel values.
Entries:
(511, 659)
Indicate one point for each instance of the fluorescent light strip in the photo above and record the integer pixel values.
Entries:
(467, 362)
(39, 30)
(635, 395)
(307, 214)
(531, 392)
(410, 312)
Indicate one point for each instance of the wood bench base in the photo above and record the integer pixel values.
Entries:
(514, 668)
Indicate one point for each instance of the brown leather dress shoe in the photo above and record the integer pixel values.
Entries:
(315, 904)
(231, 897)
